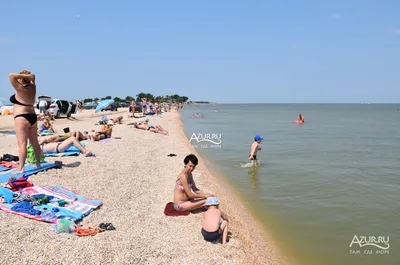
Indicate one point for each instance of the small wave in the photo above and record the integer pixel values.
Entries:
(250, 164)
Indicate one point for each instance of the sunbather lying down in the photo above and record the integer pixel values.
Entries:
(117, 119)
(156, 128)
(61, 137)
(64, 145)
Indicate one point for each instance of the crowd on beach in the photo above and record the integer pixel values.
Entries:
(45, 139)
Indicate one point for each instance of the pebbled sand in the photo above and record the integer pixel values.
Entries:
(134, 179)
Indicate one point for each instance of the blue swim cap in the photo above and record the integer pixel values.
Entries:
(258, 138)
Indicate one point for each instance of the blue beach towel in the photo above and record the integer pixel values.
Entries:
(29, 170)
(4, 168)
(71, 151)
(7, 194)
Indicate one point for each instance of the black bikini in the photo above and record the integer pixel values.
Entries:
(31, 117)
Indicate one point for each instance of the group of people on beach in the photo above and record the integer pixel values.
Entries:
(188, 197)
(26, 128)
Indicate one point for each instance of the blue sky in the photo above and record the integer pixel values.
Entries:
(225, 51)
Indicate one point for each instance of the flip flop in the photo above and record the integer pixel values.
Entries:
(107, 226)
(90, 231)
(90, 154)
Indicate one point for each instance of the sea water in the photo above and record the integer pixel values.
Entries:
(323, 188)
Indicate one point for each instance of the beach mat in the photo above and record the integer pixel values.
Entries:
(77, 207)
(71, 151)
(3, 168)
(105, 140)
(29, 170)
(170, 211)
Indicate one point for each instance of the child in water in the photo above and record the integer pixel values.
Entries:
(215, 221)
(255, 148)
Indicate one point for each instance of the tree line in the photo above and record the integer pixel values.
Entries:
(150, 97)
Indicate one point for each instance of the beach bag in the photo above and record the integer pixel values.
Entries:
(19, 183)
(9, 158)
(30, 157)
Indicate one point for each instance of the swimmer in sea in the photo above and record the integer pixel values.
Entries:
(255, 148)
(301, 118)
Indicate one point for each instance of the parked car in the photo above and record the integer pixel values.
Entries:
(90, 105)
(113, 107)
(58, 107)
(138, 107)
(123, 104)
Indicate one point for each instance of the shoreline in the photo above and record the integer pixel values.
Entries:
(244, 224)
(134, 179)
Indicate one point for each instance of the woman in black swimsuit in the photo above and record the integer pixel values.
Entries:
(25, 119)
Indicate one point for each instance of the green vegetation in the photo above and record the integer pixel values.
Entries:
(150, 97)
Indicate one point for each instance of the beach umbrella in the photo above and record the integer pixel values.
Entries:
(104, 104)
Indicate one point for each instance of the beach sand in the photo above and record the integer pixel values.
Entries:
(134, 178)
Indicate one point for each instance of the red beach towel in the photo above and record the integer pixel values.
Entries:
(8, 164)
(170, 211)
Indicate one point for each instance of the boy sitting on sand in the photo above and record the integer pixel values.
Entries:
(215, 221)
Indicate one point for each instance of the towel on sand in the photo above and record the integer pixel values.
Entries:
(71, 151)
(170, 211)
(29, 170)
(5, 165)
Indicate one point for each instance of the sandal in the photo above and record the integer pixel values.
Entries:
(107, 226)
(90, 231)
(90, 154)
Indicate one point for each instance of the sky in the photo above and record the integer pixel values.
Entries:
(221, 51)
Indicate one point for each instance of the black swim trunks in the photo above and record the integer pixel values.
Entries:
(255, 157)
(210, 236)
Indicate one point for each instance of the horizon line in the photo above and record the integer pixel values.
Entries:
(361, 103)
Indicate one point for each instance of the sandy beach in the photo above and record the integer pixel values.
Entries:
(134, 178)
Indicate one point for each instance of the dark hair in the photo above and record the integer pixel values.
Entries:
(191, 158)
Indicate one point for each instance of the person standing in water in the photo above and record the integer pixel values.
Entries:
(255, 148)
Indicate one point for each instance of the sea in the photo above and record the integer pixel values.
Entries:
(327, 191)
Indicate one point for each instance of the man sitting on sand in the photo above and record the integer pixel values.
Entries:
(106, 131)
(215, 221)
(63, 146)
